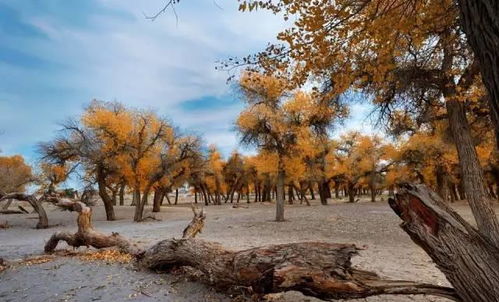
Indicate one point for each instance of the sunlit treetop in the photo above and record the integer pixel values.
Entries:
(405, 53)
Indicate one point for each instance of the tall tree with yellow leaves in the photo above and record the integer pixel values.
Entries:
(86, 141)
(405, 53)
(263, 123)
(277, 123)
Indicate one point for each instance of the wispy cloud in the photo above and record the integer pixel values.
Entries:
(58, 55)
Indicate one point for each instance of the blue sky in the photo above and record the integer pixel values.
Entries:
(58, 55)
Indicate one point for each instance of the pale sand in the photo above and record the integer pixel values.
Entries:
(390, 252)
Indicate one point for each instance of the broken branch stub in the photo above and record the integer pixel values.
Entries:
(196, 224)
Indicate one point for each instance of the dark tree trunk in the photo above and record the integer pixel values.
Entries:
(372, 186)
(122, 195)
(460, 190)
(291, 196)
(467, 256)
(158, 197)
(279, 214)
(139, 206)
(176, 196)
(106, 199)
(442, 183)
(167, 197)
(312, 195)
(114, 194)
(471, 172)
(134, 200)
(351, 193)
(327, 187)
(480, 21)
(323, 191)
(303, 193)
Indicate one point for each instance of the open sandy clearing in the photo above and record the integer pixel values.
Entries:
(389, 251)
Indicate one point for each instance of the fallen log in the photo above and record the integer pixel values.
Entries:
(316, 269)
(467, 258)
(43, 222)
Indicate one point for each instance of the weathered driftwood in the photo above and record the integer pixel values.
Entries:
(466, 257)
(43, 222)
(86, 235)
(316, 269)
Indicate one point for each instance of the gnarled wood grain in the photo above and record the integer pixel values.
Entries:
(469, 260)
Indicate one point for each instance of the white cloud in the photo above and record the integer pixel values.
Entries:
(127, 58)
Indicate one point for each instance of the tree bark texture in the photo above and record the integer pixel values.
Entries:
(471, 172)
(480, 21)
(318, 269)
(106, 199)
(280, 196)
(467, 257)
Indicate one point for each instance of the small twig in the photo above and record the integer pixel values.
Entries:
(168, 4)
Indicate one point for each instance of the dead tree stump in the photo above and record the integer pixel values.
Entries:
(469, 261)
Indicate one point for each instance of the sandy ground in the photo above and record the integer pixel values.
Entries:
(390, 252)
